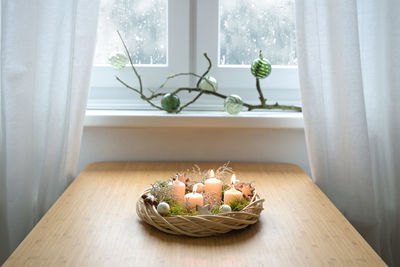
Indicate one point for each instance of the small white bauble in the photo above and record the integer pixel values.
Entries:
(209, 83)
(225, 208)
(163, 208)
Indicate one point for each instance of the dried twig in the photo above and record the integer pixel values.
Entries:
(200, 91)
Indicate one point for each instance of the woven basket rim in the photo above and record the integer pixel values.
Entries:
(201, 225)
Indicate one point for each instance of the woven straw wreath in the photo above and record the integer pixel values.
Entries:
(200, 225)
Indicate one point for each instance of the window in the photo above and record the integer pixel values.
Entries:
(143, 27)
(166, 37)
(245, 27)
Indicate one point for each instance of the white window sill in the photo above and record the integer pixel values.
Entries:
(196, 119)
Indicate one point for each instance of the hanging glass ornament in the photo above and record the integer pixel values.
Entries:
(261, 67)
(170, 103)
(233, 104)
(117, 60)
(209, 83)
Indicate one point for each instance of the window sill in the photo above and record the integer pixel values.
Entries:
(193, 119)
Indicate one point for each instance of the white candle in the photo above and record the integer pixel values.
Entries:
(232, 193)
(213, 186)
(193, 199)
(178, 191)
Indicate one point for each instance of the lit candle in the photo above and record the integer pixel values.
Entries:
(213, 186)
(232, 193)
(178, 191)
(234, 180)
(194, 198)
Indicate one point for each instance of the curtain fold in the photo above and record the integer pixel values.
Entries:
(348, 54)
(47, 50)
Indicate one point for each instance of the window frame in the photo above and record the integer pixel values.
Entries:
(193, 28)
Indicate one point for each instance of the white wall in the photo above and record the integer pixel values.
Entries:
(193, 144)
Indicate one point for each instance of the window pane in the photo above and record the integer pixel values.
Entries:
(248, 26)
(143, 25)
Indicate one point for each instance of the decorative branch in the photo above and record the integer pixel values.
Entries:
(262, 98)
(190, 102)
(200, 91)
(206, 72)
(177, 75)
(142, 96)
(131, 62)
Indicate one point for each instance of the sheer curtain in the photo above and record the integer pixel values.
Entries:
(349, 69)
(47, 51)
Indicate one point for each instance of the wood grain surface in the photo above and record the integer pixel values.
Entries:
(94, 223)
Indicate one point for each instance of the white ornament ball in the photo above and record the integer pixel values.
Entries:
(225, 208)
(209, 83)
(117, 60)
(233, 104)
(163, 208)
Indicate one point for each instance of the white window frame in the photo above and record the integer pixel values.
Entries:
(193, 28)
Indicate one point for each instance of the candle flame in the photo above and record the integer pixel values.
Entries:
(212, 173)
(233, 179)
(195, 188)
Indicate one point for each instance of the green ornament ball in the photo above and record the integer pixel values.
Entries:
(233, 104)
(170, 103)
(261, 67)
(209, 83)
(117, 60)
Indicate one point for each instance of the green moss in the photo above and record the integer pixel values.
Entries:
(238, 204)
(215, 210)
(178, 209)
(162, 183)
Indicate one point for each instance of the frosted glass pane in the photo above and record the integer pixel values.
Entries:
(142, 23)
(251, 25)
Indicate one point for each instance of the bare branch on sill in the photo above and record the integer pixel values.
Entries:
(200, 91)
(131, 62)
(262, 98)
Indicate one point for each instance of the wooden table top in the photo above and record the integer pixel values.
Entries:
(94, 223)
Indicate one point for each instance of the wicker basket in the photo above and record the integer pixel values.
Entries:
(200, 225)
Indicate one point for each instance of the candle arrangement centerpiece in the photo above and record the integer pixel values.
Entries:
(200, 203)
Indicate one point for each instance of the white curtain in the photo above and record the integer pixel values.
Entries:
(46, 58)
(349, 69)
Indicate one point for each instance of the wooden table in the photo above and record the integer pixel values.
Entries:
(94, 223)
